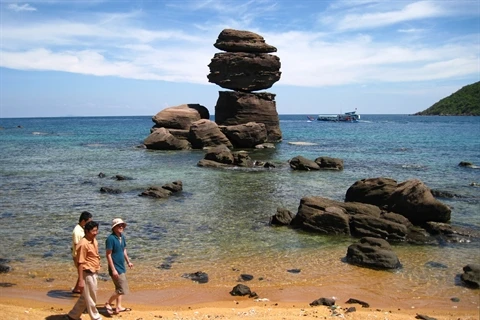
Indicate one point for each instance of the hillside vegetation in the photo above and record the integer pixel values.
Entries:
(464, 102)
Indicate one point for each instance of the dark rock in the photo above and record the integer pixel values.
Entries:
(367, 226)
(304, 164)
(283, 217)
(449, 233)
(206, 133)
(162, 139)
(433, 264)
(414, 200)
(245, 72)
(360, 302)
(445, 194)
(242, 159)
(241, 290)
(211, 164)
(180, 117)
(323, 302)
(156, 192)
(294, 270)
(175, 186)
(465, 164)
(234, 108)
(221, 154)
(231, 40)
(246, 135)
(5, 268)
(199, 276)
(471, 275)
(328, 163)
(110, 190)
(101, 175)
(246, 277)
(120, 177)
(455, 299)
(424, 317)
(351, 309)
(376, 191)
(372, 253)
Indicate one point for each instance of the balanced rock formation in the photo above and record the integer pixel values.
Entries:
(246, 66)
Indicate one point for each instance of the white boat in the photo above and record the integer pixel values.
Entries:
(351, 116)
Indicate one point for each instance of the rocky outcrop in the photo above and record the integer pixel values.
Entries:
(372, 253)
(180, 117)
(234, 107)
(320, 163)
(283, 217)
(471, 275)
(246, 135)
(246, 66)
(222, 157)
(162, 139)
(412, 199)
(164, 191)
(206, 133)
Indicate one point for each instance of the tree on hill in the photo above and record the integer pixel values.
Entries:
(464, 102)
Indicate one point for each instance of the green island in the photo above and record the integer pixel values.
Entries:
(464, 102)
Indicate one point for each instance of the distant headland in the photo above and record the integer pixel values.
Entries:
(464, 102)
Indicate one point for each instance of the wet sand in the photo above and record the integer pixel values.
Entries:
(201, 301)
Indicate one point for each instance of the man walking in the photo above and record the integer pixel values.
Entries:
(88, 261)
(77, 234)
(116, 250)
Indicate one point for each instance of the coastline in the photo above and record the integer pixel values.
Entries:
(197, 302)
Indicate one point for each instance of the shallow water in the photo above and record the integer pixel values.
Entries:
(49, 174)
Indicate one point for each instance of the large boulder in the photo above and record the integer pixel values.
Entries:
(220, 154)
(414, 200)
(372, 253)
(234, 108)
(367, 226)
(246, 135)
(206, 133)
(180, 117)
(316, 215)
(232, 40)
(376, 191)
(162, 139)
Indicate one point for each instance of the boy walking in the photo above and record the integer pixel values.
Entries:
(88, 261)
(116, 250)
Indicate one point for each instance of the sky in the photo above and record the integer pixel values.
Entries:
(122, 58)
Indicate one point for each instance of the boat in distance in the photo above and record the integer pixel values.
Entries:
(351, 116)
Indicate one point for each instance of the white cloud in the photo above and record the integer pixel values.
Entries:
(17, 8)
(378, 16)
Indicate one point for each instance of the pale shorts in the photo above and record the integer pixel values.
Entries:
(121, 284)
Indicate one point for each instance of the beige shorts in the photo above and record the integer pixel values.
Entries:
(121, 284)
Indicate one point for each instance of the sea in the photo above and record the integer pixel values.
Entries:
(219, 223)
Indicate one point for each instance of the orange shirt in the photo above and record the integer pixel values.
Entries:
(87, 254)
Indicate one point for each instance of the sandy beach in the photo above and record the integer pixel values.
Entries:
(203, 302)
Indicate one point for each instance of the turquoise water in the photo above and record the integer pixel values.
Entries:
(49, 174)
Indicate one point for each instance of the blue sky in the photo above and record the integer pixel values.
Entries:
(116, 58)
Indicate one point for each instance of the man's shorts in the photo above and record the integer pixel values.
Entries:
(121, 284)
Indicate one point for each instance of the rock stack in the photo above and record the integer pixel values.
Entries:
(245, 66)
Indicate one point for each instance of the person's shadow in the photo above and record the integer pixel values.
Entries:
(62, 294)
